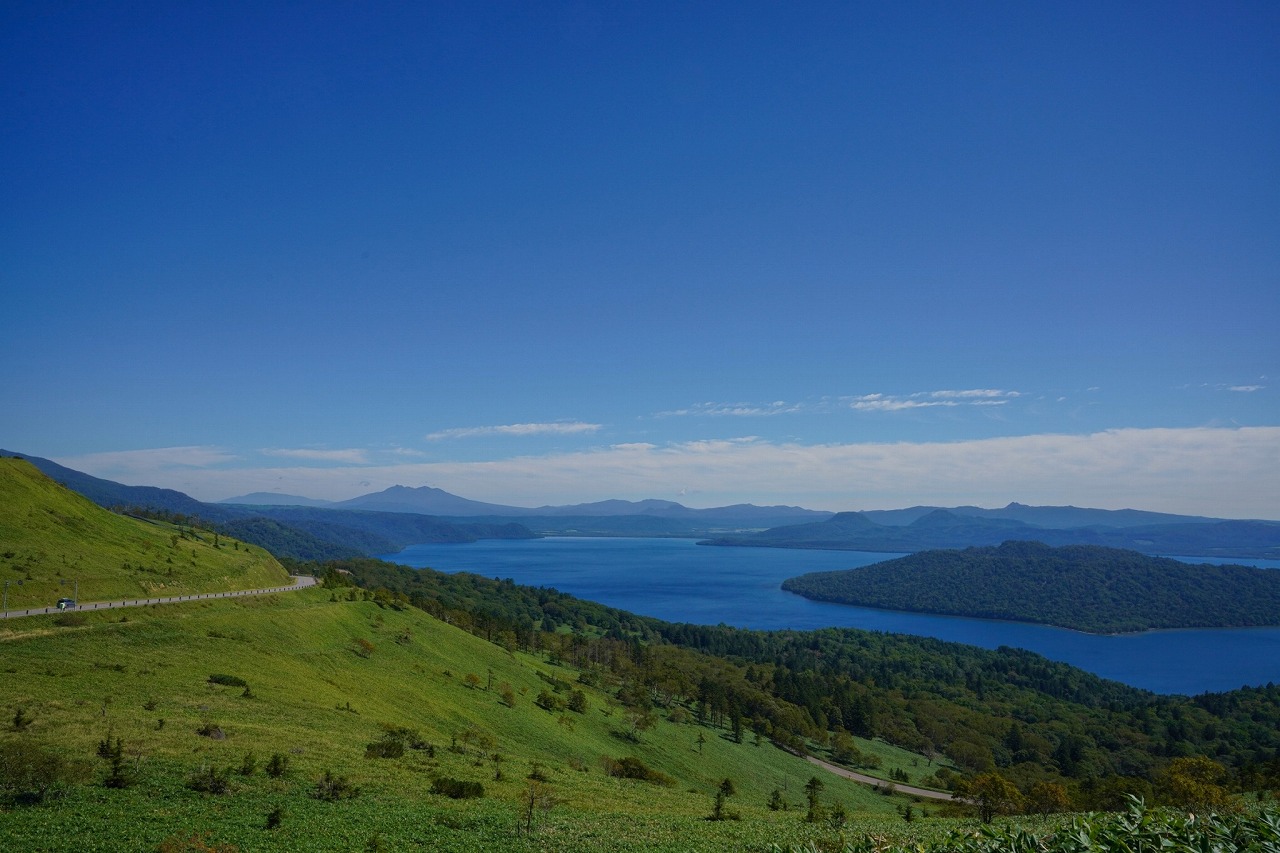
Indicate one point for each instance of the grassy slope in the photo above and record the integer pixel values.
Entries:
(298, 653)
(51, 538)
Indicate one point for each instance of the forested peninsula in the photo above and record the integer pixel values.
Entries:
(1083, 587)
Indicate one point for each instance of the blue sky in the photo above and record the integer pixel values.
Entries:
(838, 255)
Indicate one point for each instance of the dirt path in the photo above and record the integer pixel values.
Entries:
(299, 582)
(909, 790)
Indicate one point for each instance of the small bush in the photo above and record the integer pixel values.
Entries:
(277, 765)
(387, 747)
(31, 773)
(21, 720)
(210, 780)
(331, 787)
(457, 789)
(630, 767)
(228, 680)
(212, 731)
(549, 701)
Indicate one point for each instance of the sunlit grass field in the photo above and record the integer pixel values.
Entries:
(325, 678)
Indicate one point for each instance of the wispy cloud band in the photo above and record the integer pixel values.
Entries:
(738, 410)
(552, 428)
(929, 399)
(349, 456)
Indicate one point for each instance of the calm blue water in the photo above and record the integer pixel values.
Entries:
(680, 581)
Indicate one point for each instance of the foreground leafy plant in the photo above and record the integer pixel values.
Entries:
(1139, 828)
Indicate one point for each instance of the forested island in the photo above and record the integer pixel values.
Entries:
(1084, 587)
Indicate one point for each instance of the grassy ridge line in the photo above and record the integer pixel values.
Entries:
(319, 696)
(53, 541)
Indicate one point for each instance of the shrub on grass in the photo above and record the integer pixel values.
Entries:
(228, 680)
(210, 780)
(458, 789)
(277, 765)
(119, 775)
(718, 810)
(331, 787)
(630, 767)
(549, 701)
(21, 719)
(31, 773)
(388, 746)
(212, 731)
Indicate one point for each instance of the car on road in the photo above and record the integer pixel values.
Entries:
(66, 604)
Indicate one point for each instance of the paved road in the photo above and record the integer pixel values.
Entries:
(910, 790)
(299, 582)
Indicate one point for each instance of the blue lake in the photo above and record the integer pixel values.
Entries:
(680, 581)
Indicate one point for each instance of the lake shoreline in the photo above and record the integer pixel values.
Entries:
(674, 580)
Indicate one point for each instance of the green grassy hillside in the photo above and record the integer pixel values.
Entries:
(327, 676)
(54, 542)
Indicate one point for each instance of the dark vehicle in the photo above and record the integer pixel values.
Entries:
(66, 604)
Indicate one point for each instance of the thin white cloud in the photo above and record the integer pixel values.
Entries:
(553, 428)
(1225, 472)
(1246, 389)
(931, 399)
(349, 456)
(880, 403)
(152, 459)
(737, 410)
(972, 393)
(158, 466)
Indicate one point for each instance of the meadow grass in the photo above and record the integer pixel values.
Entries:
(325, 678)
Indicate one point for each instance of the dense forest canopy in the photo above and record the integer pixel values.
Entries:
(1088, 588)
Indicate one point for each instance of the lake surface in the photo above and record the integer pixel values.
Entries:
(680, 581)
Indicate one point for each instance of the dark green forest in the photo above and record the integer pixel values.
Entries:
(1007, 712)
(1085, 587)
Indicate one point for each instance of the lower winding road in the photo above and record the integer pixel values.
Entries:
(898, 787)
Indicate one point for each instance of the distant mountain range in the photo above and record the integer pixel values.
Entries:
(1186, 536)
(426, 500)
(384, 522)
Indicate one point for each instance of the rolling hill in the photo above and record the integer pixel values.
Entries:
(55, 542)
(1088, 588)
